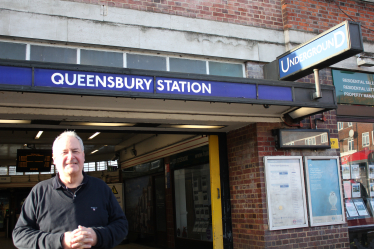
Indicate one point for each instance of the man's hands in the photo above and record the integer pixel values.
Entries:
(82, 237)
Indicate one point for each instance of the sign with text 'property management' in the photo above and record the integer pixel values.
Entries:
(353, 88)
(330, 47)
(81, 80)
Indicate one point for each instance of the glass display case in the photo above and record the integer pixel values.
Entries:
(357, 163)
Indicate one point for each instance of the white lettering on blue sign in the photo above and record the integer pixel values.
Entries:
(182, 86)
(103, 81)
(314, 52)
(91, 80)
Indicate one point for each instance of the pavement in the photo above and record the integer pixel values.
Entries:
(7, 243)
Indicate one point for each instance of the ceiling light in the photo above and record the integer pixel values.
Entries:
(94, 151)
(94, 135)
(98, 149)
(304, 111)
(194, 126)
(96, 124)
(9, 121)
(38, 135)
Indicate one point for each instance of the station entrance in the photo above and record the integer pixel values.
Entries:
(161, 180)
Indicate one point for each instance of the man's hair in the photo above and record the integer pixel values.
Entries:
(67, 134)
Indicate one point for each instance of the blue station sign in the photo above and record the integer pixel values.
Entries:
(326, 46)
(336, 44)
(83, 82)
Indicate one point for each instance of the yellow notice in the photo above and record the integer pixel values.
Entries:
(334, 143)
(114, 190)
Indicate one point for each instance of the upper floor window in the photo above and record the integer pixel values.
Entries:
(350, 144)
(340, 126)
(365, 139)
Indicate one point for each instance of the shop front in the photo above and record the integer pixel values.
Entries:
(355, 127)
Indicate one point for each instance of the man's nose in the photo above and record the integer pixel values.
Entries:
(70, 154)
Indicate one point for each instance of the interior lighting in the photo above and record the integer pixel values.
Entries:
(94, 151)
(9, 121)
(304, 111)
(94, 135)
(96, 124)
(195, 126)
(38, 135)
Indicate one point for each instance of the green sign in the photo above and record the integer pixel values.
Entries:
(353, 88)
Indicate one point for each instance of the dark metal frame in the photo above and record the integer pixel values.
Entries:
(279, 140)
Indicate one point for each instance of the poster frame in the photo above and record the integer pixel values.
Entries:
(338, 168)
(268, 184)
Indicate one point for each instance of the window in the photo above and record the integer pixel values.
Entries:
(340, 126)
(324, 138)
(139, 61)
(3, 171)
(350, 145)
(365, 139)
(372, 136)
(101, 166)
(53, 54)
(88, 167)
(349, 124)
(31, 173)
(14, 51)
(225, 69)
(101, 58)
(12, 171)
(187, 66)
(310, 141)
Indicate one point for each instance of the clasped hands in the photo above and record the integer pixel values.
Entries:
(82, 237)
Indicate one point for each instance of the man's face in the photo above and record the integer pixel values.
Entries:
(68, 156)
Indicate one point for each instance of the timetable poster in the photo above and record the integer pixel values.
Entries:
(325, 197)
(285, 193)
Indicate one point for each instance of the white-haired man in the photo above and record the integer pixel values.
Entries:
(71, 210)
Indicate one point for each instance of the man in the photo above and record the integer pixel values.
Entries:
(71, 210)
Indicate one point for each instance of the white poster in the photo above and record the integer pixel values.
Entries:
(356, 192)
(117, 189)
(347, 189)
(371, 171)
(351, 209)
(285, 192)
(371, 189)
(361, 209)
(346, 171)
(355, 171)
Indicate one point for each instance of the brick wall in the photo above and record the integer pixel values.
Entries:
(320, 15)
(246, 148)
(260, 13)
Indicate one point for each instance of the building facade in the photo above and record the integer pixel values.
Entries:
(104, 57)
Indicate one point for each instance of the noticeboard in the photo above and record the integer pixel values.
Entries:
(34, 160)
(285, 192)
(325, 197)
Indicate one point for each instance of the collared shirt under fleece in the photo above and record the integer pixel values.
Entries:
(49, 211)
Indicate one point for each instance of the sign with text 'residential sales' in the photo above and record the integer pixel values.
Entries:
(353, 88)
